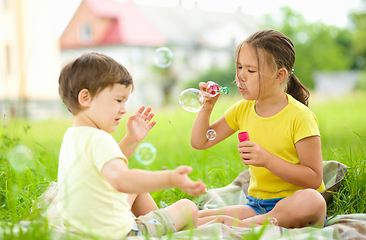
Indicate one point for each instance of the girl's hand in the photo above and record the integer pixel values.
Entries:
(138, 125)
(209, 101)
(254, 154)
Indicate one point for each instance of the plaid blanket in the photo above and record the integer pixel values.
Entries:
(342, 227)
(236, 192)
(351, 226)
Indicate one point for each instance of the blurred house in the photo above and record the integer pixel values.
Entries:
(29, 59)
(336, 83)
(130, 33)
(31, 56)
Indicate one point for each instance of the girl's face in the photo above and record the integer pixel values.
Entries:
(254, 82)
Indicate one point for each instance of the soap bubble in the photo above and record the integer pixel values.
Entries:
(211, 134)
(273, 221)
(145, 153)
(163, 204)
(163, 57)
(191, 100)
(21, 158)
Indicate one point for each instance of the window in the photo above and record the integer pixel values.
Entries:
(5, 4)
(85, 33)
(7, 59)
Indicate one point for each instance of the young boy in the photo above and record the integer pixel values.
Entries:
(97, 191)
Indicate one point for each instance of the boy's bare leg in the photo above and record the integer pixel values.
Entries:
(227, 220)
(184, 213)
(236, 211)
(141, 204)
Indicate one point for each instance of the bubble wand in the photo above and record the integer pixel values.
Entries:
(192, 99)
(215, 89)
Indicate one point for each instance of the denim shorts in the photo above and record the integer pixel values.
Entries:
(262, 206)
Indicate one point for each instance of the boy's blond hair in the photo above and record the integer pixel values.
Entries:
(92, 71)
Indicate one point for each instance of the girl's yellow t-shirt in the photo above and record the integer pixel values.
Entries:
(278, 135)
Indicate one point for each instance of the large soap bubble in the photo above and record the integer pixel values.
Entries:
(21, 158)
(163, 57)
(145, 153)
(191, 100)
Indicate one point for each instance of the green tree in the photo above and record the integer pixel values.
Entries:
(318, 47)
(358, 18)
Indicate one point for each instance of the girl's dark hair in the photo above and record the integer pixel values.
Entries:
(282, 53)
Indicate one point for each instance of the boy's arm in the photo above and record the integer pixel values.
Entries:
(138, 127)
(127, 180)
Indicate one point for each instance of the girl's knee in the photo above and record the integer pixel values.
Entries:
(311, 205)
(313, 198)
(304, 207)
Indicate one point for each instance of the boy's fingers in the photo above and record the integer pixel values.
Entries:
(140, 111)
(147, 112)
(197, 189)
(151, 125)
(184, 169)
(150, 117)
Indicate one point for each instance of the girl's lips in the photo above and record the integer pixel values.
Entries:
(240, 89)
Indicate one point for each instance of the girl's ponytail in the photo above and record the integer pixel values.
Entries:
(296, 89)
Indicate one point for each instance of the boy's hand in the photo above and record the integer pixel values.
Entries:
(139, 125)
(181, 180)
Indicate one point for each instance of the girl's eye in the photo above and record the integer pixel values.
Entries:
(119, 100)
(251, 71)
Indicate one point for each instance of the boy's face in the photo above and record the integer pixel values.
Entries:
(108, 106)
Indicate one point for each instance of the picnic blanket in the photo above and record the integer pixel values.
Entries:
(236, 192)
(350, 226)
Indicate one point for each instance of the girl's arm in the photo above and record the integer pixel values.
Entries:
(202, 124)
(307, 174)
(200, 127)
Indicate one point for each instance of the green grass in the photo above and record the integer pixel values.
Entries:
(341, 121)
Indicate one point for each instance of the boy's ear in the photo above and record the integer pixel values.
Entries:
(281, 75)
(84, 98)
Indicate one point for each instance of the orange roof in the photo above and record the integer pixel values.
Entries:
(129, 26)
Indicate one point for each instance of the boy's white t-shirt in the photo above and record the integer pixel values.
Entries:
(87, 201)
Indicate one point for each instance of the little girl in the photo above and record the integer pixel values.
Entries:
(284, 151)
